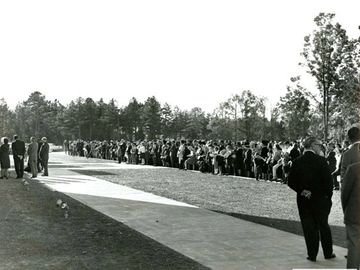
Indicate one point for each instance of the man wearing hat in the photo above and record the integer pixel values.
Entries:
(44, 155)
(310, 177)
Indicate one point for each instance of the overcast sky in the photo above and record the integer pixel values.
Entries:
(187, 53)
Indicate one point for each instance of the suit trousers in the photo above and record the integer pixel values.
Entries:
(4, 172)
(44, 163)
(353, 243)
(33, 167)
(314, 215)
(19, 166)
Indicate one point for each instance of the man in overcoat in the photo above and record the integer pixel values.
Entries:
(352, 155)
(310, 177)
(350, 201)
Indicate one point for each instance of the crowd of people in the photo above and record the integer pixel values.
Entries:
(267, 160)
(310, 167)
(36, 153)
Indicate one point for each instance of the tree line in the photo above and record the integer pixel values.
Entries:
(329, 55)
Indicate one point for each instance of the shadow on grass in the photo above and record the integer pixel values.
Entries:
(291, 226)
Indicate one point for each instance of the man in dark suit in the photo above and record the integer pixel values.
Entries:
(350, 201)
(18, 151)
(310, 177)
(44, 155)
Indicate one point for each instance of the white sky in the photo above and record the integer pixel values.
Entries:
(187, 52)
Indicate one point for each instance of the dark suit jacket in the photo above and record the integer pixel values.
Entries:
(311, 172)
(44, 151)
(350, 194)
(18, 148)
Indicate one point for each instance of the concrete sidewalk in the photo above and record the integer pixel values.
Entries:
(214, 240)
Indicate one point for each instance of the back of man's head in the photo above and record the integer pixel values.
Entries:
(309, 142)
(16, 137)
(354, 134)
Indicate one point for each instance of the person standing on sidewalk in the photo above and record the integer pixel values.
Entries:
(39, 164)
(4, 158)
(350, 201)
(18, 151)
(310, 177)
(33, 156)
(352, 155)
(44, 155)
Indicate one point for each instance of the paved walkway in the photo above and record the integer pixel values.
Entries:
(214, 240)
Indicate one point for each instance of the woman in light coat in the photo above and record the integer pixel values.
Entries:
(4, 158)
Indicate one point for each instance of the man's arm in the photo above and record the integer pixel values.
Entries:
(13, 148)
(347, 185)
(344, 163)
(327, 178)
(47, 149)
(294, 177)
(29, 150)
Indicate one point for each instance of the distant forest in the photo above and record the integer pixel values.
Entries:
(329, 55)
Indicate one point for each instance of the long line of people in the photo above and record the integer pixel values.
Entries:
(267, 160)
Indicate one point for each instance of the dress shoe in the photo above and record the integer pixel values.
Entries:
(311, 259)
(332, 256)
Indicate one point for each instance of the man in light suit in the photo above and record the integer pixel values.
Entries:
(352, 155)
(350, 201)
(310, 177)
(33, 156)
